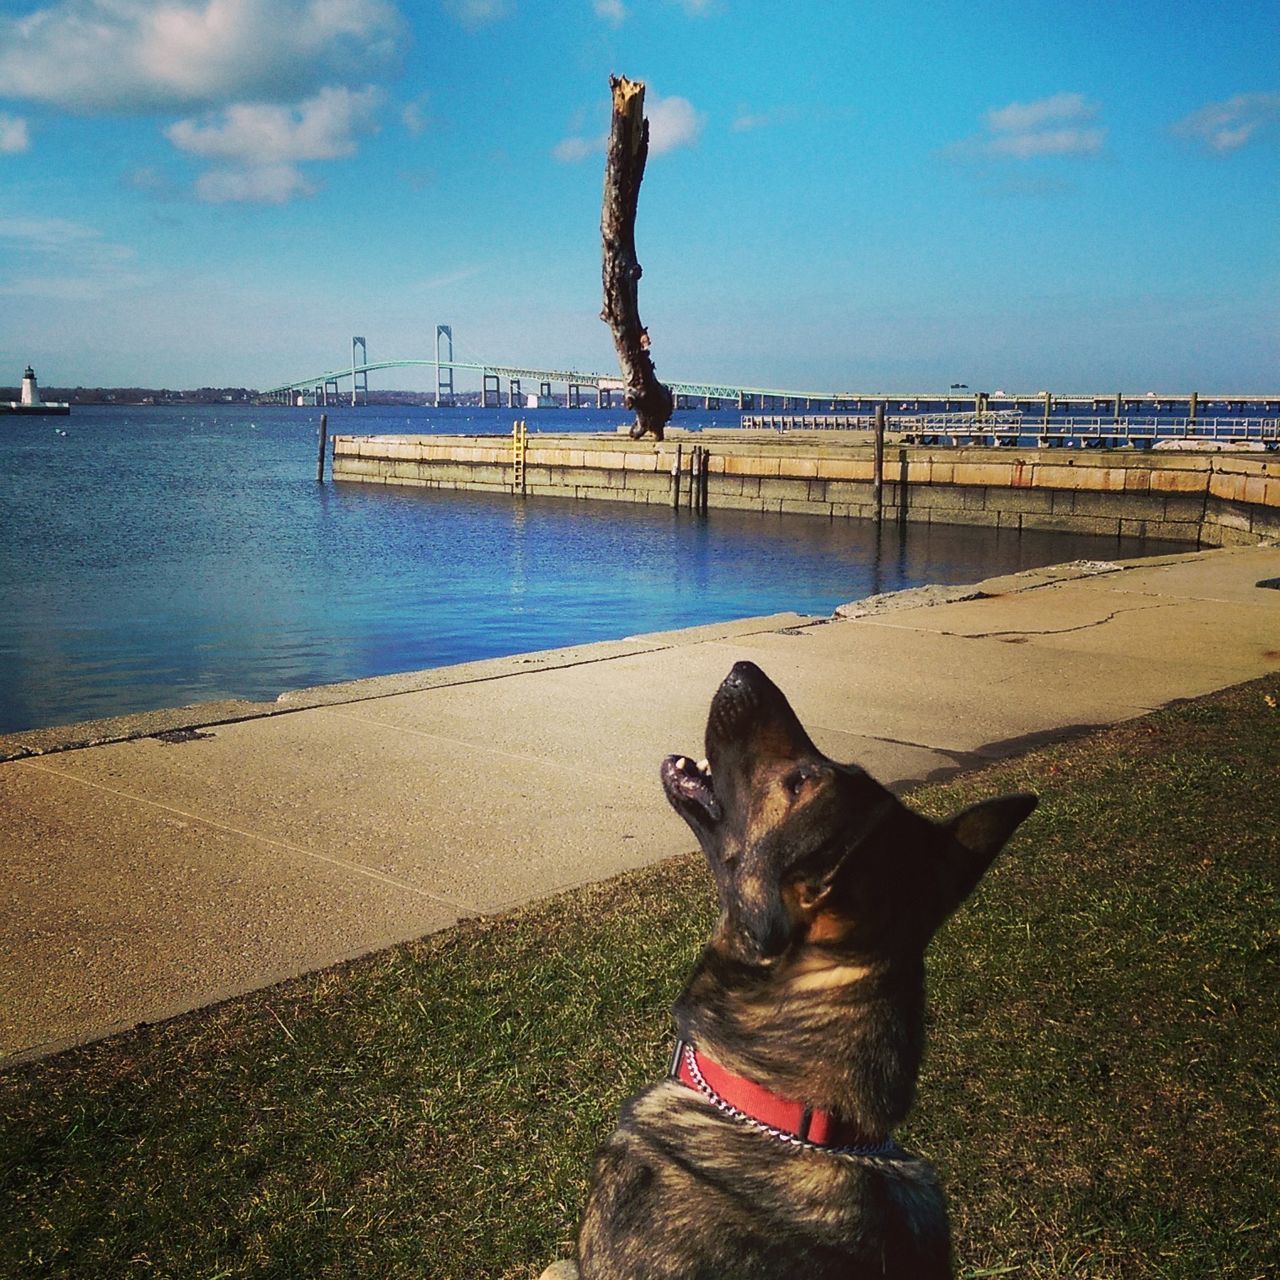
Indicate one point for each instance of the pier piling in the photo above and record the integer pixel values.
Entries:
(324, 443)
(877, 474)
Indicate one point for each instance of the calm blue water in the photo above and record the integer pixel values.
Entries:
(155, 557)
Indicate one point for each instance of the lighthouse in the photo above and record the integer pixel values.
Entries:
(30, 401)
(30, 392)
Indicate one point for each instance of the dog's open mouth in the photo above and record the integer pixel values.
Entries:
(690, 789)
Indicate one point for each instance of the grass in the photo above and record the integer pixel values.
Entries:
(1099, 1094)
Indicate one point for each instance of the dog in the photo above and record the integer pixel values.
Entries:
(768, 1152)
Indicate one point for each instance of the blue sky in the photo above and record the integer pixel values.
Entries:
(1025, 195)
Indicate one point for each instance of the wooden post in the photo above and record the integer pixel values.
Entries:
(706, 477)
(675, 477)
(877, 475)
(324, 441)
(628, 149)
(1192, 405)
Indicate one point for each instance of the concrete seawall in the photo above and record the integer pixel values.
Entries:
(1210, 499)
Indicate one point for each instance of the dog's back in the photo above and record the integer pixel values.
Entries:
(770, 1154)
(683, 1190)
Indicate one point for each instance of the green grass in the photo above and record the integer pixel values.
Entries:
(1099, 1093)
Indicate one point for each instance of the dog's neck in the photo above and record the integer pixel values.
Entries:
(841, 1033)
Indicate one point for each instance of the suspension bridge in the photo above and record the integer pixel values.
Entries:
(528, 387)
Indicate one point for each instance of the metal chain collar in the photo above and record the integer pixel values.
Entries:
(887, 1148)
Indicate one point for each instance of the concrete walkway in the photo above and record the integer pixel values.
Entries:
(151, 875)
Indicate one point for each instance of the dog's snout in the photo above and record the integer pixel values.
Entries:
(751, 712)
(737, 696)
(738, 687)
(746, 684)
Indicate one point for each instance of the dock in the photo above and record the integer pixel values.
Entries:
(1203, 498)
(1011, 427)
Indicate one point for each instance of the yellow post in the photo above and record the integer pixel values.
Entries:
(519, 447)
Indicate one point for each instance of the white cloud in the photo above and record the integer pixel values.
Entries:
(152, 181)
(414, 116)
(673, 122)
(321, 128)
(574, 149)
(612, 11)
(1058, 125)
(13, 135)
(1047, 142)
(61, 259)
(142, 56)
(56, 236)
(747, 120)
(448, 279)
(1228, 125)
(477, 13)
(258, 184)
(1021, 117)
(261, 144)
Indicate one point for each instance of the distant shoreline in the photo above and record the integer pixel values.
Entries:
(164, 397)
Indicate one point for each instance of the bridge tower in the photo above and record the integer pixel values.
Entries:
(444, 373)
(360, 379)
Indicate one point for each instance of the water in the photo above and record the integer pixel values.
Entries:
(156, 557)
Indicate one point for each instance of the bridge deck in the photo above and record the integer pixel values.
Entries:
(737, 393)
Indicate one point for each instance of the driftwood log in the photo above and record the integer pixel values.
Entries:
(624, 171)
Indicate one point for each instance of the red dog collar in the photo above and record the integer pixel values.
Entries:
(782, 1118)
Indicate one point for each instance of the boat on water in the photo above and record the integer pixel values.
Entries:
(31, 403)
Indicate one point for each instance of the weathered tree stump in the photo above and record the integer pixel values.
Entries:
(624, 171)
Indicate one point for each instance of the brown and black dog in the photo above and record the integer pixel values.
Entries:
(769, 1151)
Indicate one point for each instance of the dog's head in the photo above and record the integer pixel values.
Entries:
(808, 851)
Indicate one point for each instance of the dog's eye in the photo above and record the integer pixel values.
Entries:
(795, 782)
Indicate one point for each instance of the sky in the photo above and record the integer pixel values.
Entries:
(896, 196)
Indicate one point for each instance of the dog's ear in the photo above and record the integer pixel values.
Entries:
(981, 831)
